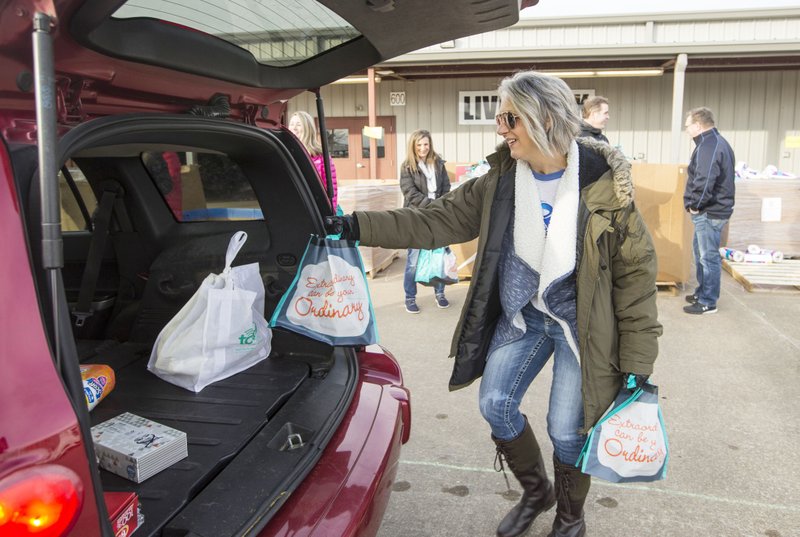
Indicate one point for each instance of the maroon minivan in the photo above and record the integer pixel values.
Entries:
(137, 137)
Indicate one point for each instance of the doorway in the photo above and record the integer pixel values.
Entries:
(350, 149)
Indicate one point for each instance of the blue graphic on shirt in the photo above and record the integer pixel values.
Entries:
(547, 184)
(547, 212)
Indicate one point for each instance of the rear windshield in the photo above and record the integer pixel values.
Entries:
(278, 33)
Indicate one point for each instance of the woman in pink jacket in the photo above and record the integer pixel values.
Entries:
(303, 126)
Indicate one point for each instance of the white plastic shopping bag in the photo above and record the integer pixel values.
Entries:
(221, 331)
(450, 266)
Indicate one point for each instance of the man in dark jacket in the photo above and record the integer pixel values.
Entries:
(709, 198)
(595, 117)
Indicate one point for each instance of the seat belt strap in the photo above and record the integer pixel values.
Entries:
(91, 272)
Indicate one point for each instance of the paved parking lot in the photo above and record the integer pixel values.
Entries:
(729, 385)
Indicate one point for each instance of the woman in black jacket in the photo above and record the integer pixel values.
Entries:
(422, 180)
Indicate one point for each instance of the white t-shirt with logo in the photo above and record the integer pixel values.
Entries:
(547, 183)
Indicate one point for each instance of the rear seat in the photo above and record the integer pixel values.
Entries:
(111, 353)
(178, 271)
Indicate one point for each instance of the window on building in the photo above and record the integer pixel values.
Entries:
(339, 143)
(365, 147)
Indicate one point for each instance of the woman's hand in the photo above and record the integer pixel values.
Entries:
(346, 226)
(634, 381)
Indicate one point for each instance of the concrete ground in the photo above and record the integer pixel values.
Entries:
(729, 385)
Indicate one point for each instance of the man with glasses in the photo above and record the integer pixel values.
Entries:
(708, 197)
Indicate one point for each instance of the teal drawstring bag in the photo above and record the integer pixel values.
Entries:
(329, 298)
(629, 443)
(438, 266)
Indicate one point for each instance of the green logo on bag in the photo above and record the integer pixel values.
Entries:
(249, 337)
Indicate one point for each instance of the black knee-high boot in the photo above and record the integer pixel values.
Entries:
(524, 458)
(572, 487)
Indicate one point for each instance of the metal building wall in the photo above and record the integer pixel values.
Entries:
(755, 111)
(771, 30)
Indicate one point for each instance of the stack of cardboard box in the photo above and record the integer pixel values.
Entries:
(371, 195)
(778, 229)
(659, 198)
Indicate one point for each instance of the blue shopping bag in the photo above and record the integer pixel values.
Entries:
(329, 298)
(436, 266)
(629, 443)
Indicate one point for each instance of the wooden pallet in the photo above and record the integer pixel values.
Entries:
(766, 276)
(670, 288)
(383, 265)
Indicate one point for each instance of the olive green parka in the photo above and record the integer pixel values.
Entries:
(616, 267)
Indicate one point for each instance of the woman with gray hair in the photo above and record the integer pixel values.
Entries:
(565, 268)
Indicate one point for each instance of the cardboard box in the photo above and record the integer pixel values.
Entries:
(659, 197)
(455, 170)
(192, 193)
(747, 225)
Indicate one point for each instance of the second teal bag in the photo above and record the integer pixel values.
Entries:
(436, 267)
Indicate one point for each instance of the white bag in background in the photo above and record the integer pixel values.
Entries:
(450, 265)
(438, 266)
(220, 331)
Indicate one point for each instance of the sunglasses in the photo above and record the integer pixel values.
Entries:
(506, 118)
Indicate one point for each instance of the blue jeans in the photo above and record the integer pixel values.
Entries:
(510, 369)
(708, 263)
(409, 285)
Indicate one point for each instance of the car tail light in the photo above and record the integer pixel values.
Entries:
(43, 501)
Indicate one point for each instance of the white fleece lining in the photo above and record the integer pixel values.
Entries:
(553, 255)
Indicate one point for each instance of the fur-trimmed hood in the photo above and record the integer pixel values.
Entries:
(608, 157)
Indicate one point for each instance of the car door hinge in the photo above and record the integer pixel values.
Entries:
(249, 113)
(69, 108)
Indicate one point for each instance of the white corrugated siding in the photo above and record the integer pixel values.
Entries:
(755, 111)
(645, 31)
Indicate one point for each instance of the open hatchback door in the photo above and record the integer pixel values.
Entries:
(137, 138)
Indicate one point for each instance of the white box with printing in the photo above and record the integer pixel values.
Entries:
(137, 448)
